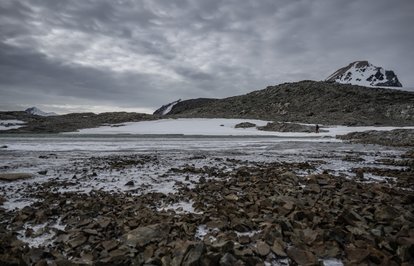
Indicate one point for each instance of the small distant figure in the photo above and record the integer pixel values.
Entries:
(317, 128)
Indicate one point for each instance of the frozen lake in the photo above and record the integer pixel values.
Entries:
(87, 157)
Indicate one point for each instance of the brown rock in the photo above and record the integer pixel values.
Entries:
(220, 224)
(179, 251)
(290, 176)
(90, 231)
(109, 244)
(244, 239)
(244, 125)
(14, 176)
(231, 197)
(313, 188)
(360, 173)
(223, 247)
(78, 240)
(309, 236)
(262, 248)
(278, 249)
(302, 257)
(356, 255)
(148, 252)
(103, 221)
(194, 255)
(385, 213)
(227, 260)
(142, 236)
(129, 183)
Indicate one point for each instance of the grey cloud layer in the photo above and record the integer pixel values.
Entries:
(145, 53)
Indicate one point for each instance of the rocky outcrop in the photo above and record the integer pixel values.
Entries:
(289, 127)
(179, 106)
(37, 111)
(245, 125)
(166, 109)
(397, 137)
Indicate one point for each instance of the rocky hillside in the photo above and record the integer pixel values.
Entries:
(179, 106)
(312, 102)
(68, 122)
(36, 111)
(396, 137)
(365, 74)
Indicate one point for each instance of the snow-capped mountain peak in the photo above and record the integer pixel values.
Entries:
(37, 111)
(365, 74)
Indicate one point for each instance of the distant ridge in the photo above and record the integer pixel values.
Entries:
(36, 111)
(309, 102)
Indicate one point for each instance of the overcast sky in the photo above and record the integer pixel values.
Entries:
(113, 55)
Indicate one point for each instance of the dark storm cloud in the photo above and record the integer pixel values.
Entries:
(141, 54)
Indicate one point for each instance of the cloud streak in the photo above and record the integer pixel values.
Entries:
(138, 55)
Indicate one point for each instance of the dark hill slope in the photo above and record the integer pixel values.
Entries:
(314, 102)
(190, 104)
(69, 122)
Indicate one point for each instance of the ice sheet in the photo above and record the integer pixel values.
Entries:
(62, 162)
(217, 127)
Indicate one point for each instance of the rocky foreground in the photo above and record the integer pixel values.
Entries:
(263, 213)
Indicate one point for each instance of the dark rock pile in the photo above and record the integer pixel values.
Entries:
(289, 127)
(396, 137)
(245, 125)
(252, 215)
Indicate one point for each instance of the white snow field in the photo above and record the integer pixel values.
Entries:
(216, 127)
(10, 124)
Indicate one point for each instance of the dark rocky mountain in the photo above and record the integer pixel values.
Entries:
(165, 109)
(365, 74)
(311, 102)
(179, 106)
(37, 111)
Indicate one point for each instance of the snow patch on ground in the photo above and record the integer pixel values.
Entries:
(203, 230)
(332, 262)
(190, 126)
(43, 234)
(217, 127)
(17, 203)
(11, 124)
(249, 234)
(180, 207)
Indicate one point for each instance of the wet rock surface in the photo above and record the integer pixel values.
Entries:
(246, 214)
